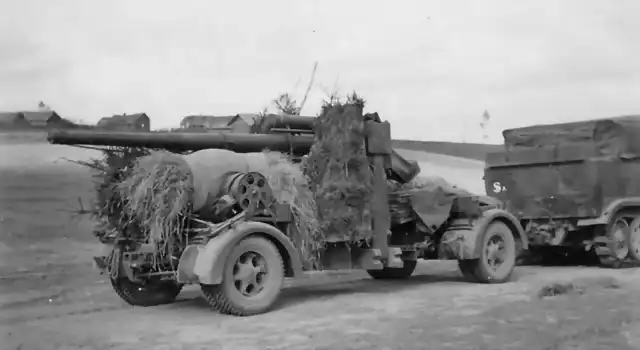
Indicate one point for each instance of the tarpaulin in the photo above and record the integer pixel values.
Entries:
(610, 136)
(433, 200)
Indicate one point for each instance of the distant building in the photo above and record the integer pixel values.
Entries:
(249, 118)
(205, 122)
(239, 123)
(13, 120)
(43, 119)
(126, 122)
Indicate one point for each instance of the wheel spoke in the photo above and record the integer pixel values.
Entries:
(251, 258)
(246, 286)
(245, 283)
(261, 266)
(243, 272)
(500, 254)
(495, 252)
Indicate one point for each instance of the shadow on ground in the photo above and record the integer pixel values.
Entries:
(326, 288)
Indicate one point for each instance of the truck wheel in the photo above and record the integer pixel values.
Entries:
(252, 279)
(497, 257)
(394, 273)
(616, 249)
(149, 294)
(634, 239)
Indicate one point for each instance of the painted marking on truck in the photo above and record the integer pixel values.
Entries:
(498, 187)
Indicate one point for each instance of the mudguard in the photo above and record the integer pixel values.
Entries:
(205, 263)
(611, 210)
(462, 242)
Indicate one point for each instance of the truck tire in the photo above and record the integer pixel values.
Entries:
(634, 239)
(497, 256)
(150, 294)
(252, 279)
(394, 273)
(616, 248)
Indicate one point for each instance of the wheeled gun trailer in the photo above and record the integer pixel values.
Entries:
(240, 262)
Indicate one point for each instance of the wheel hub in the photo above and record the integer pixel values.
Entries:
(495, 251)
(249, 273)
(619, 243)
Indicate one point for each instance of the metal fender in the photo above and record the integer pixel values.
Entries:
(208, 265)
(504, 216)
(610, 211)
(466, 242)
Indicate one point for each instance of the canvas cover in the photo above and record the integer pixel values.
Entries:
(434, 207)
(610, 136)
(434, 200)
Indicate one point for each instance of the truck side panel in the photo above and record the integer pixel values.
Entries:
(566, 190)
(560, 182)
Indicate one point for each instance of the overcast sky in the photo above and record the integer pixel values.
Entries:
(429, 67)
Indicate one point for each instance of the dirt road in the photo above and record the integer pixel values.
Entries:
(435, 309)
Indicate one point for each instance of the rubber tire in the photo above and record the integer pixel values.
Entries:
(605, 257)
(626, 236)
(226, 299)
(634, 252)
(159, 293)
(394, 273)
(478, 269)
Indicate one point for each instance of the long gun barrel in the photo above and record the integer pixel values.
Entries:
(178, 142)
(400, 169)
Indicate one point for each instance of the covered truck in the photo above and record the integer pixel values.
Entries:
(573, 185)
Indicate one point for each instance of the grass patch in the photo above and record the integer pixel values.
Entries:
(577, 287)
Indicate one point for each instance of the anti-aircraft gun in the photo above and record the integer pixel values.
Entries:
(241, 260)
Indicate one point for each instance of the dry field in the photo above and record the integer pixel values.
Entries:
(51, 298)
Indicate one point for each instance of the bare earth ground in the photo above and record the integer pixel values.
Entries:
(51, 298)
